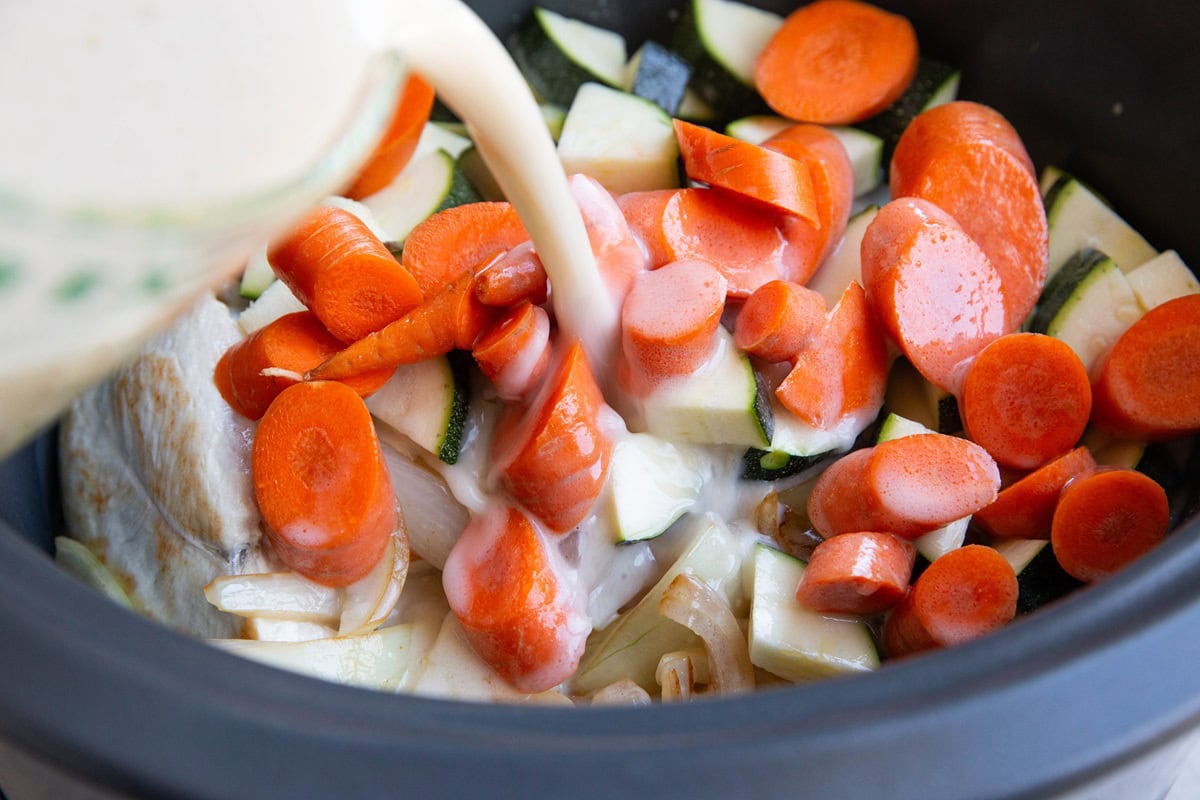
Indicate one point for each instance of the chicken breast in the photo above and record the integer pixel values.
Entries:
(155, 472)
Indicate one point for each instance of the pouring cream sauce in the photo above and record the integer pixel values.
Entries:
(157, 143)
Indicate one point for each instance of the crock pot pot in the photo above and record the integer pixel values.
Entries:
(1095, 697)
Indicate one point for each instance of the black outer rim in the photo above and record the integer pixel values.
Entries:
(1054, 701)
(174, 718)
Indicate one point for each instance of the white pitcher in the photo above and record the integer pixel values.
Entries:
(148, 146)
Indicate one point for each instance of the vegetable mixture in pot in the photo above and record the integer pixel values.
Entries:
(876, 388)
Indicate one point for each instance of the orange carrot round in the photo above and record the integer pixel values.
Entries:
(1148, 385)
(460, 241)
(669, 321)
(984, 180)
(294, 343)
(512, 278)
(778, 320)
(1026, 399)
(1024, 509)
(964, 594)
(837, 62)
(502, 586)
(842, 372)
(644, 213)
(514, 353)
(950, 125)
(906, 486)
(857, 573)
(1106, 520)
(399, 141)
(747, 170)
(339, 269)
(745, 244)
(321, 483)
(554, 459)
(833, 186)
(937, 293)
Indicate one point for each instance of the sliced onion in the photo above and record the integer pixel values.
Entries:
(433, 517)
(370, 599)
(275, 595)
(695, 605)
(285, 630)
(676, 675)
(621, 693)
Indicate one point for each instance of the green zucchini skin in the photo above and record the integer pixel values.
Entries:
(460, 366)
(552, 73)
(773, 465)
(1042, 582)
(935, 82)
(719, 88)
(1060, 287)
(661, 77)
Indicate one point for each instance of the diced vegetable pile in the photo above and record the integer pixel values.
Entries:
(877, 391)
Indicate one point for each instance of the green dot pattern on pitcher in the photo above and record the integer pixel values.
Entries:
(78, 285)
(155, 281)
(10, 274)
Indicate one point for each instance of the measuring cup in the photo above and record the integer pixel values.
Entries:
(155, 144)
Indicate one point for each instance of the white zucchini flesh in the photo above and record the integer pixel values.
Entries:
(625, 142)
(1162, 278)
(1077, 218)
(795, 642)
(735, 33)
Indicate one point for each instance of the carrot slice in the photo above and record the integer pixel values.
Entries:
(321, 483)
(745, 244)
(555, 458)
(399, 141)
(778, 320)
(460, 241)
(619, 258)
(1106, 520)
(937, 294)
(862, 572)
(1148, 385)
(514, 353)
(339, 269)
(950, 125)
(513, 278)
(1024, 509)
(502, 586)
(836, 62)
(452, 317)
(842, 373)
(833, 185)
(1026, 399)
(644, 213)
(747, 170)
(669, 321)
(964, 594)
(906, 486)
(294, 343)
(981, 179)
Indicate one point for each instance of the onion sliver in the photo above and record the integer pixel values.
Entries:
(695, 605)
(370, 599)
(433, 517)
(621, 693)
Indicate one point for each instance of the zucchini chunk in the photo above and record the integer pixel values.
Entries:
(1077, 218)
(624, 141)
(721, 39)
(794, 642)
(557, 55)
